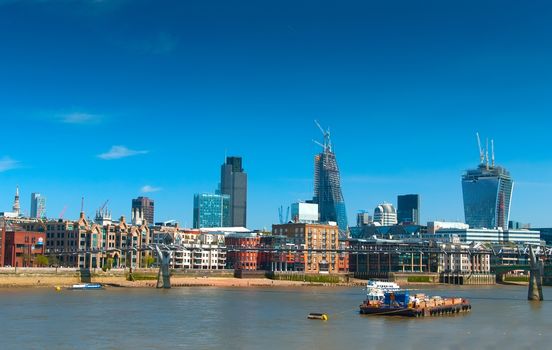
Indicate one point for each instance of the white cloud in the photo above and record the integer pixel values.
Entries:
(117, 152)
(7, 163)
(150, 189)
(79, 118)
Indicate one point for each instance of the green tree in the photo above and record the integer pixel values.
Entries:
(41, 260)
(53, 260)
(108, 264)
(148, 261)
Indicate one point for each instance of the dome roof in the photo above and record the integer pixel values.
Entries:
(385, 208)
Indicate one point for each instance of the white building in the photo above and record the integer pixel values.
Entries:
(199, 257)
(385, 215)
(434, 226)
(306, 213)
(468, 235)
(463, 262)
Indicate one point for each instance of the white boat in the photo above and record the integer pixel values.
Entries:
(375, 290)
(383, 286)
(87, 286)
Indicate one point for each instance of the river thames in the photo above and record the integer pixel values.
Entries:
(264, 318)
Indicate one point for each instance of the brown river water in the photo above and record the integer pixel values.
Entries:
(263, 318)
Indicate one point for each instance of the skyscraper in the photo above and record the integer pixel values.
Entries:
(327, 186)
(487, 194)
(233, 182)
(144, 208)
(38, 206)
(211, 210)
(408, 209)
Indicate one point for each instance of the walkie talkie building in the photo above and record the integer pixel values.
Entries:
(487, 194)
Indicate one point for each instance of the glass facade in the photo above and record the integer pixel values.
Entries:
(408, 209)
(487, 195)
(211, 210)
(327, 190)
(38, 205)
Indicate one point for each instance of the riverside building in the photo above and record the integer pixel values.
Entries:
(317, 240)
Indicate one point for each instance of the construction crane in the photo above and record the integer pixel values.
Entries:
(327, 138)
(481, 154)
(487, 154)
(492, 154)
(281, 215)
(62, 212)
(103, 206)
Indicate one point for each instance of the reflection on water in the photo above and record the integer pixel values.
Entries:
(209, 318)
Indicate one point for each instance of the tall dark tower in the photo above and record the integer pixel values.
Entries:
(327, 185)
(408, 209)
(144, 208)
(233, 182)
(487, 193)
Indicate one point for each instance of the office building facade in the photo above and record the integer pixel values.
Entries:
(487, 193)
(304, 212)
(385, 214)
(144, 208)
(38, 206)
(233, 183)
(408, 209)
(211, 210)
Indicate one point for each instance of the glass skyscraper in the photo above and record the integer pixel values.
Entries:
(487, 194)
(211, 210)
(408, 209)
(327, 187)
(38, 206)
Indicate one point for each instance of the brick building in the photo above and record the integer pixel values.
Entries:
(20, 248)
(319, 241)
(242, 259)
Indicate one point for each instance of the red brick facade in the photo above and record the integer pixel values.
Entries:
(20, 248)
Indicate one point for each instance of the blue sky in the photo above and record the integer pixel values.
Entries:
(103, 98)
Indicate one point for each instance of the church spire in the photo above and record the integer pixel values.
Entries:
(16, 208)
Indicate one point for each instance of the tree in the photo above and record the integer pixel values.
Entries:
(41, 260)
(53, 260)
(108, 264)
(148, 260)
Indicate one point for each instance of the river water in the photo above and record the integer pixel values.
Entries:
(263, 318)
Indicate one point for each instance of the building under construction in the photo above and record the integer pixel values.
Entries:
(487, 193)
(327, 186)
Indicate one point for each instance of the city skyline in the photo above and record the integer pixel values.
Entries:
(403, 105)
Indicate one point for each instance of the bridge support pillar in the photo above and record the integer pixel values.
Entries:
(164, 275)
(535, 278)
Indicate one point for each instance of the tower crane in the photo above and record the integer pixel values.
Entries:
(481, 154)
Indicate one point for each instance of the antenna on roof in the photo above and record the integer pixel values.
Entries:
(492, 154)
(82, 204)
(481, 155)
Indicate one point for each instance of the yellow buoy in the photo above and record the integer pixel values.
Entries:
(58, 289)
(317, 316)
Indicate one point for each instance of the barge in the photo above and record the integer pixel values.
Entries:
(401, 303)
